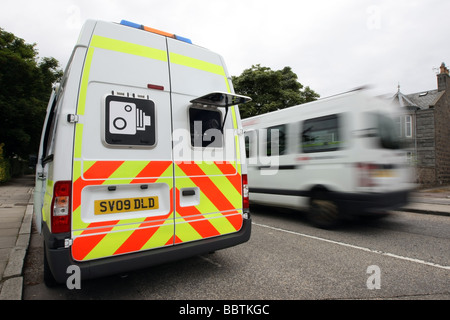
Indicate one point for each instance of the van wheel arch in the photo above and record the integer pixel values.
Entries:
(323, 211)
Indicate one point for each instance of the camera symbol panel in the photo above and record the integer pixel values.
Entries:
(129, 121)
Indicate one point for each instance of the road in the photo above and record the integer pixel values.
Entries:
(404, 256)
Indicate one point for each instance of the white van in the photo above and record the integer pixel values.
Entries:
(142, 155)
(333, 158)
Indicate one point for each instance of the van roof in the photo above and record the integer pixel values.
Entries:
(317, 107)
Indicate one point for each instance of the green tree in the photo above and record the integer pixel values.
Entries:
(270, 90)
(25, 86)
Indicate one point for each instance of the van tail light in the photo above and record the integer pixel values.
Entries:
(245, 194)
(61, 207)
(365, 174)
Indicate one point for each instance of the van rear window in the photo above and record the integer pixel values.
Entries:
(206, 128)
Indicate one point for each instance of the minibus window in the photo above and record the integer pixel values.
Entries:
(247, 146)
(251, 144)
(206, 128)
(321, 134)
(276, 140)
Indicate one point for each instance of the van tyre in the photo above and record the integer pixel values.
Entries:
(323, 213)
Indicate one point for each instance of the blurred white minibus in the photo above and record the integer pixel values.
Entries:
(334, 158)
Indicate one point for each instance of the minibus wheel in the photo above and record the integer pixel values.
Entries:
(323, 213)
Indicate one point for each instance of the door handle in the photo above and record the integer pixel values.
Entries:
(41, 175)
(188, 192)
(190, 197)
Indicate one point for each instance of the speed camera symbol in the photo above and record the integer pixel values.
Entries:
(126, 118)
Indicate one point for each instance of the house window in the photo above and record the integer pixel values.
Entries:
(410, 158)
(408, 126)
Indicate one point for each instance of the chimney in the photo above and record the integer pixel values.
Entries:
(443, 78)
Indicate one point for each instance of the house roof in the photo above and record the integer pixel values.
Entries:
(420, 100)
(403, 100)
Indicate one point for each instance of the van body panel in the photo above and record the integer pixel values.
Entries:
(40, 188)
(60, 259)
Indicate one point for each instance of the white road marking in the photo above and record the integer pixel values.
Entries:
(211, 261)
(357, 247)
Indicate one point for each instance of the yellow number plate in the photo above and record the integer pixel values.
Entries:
(384, 173)
(125, 205)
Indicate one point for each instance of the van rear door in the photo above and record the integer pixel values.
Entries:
(208, 174)
(122, 158)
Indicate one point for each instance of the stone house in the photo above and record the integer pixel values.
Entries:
(425, 129)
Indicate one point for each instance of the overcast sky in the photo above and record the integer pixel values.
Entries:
(332, 45)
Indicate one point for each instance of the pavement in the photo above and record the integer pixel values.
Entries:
(16, 216)
(16, 213)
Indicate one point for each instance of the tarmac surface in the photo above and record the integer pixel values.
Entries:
(16, 216)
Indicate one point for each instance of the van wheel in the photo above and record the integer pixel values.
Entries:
(323, 213)
(49, 279)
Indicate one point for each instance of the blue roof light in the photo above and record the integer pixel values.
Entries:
(183, 39)
(131, 24)
(145, 28)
